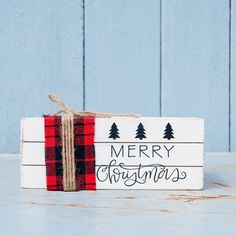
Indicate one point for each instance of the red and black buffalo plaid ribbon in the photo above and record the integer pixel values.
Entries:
(84, 129)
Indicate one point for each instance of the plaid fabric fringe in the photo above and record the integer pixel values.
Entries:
(84, 129)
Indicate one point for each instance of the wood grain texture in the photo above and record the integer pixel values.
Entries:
(131, 48)
(233, 76)
(122, 56)
(195, 65)
(37, 212)
(40, 52)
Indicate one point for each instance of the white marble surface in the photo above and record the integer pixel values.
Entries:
(38, 212)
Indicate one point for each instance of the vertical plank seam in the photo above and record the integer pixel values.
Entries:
(230, 28)
(160, 60)
(84, 107)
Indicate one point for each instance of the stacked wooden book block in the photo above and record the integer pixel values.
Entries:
(131, 153)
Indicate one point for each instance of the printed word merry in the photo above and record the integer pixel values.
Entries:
(141, 150)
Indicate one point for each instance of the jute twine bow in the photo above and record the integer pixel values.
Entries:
(67, 135)
(69, 111)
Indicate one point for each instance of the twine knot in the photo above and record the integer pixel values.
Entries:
(69, 111)
(67, 136)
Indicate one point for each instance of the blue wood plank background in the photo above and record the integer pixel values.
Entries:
(154, 57)
(232, 67)
(122, 56)
(40, 52)
(195, 72)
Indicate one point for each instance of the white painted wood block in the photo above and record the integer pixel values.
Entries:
(32, 129)
(129, 153)
(179, 178)
(186, 129)
(33, 153)
(149, 177)
(149, 153)
(130, 150)
(33, 176)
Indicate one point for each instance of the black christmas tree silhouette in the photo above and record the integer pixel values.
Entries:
(168, 132)
(140, 132)
(114, 132)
